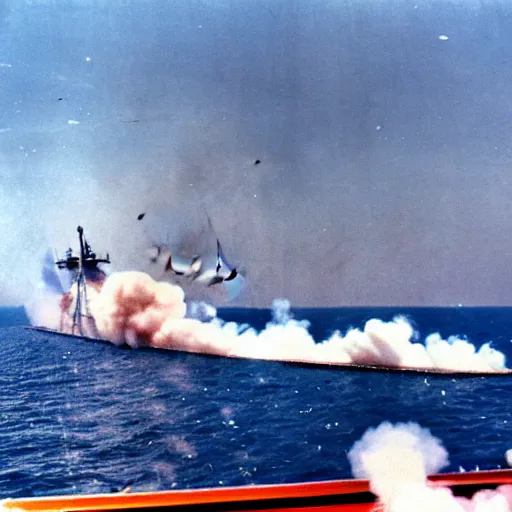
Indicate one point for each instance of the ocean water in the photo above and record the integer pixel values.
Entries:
(86, 417)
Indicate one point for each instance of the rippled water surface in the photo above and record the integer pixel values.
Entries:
(81, 417)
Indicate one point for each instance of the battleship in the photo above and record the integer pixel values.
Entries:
(87, 277)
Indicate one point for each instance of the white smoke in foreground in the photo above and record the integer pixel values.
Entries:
(131, 307)
(396, 459)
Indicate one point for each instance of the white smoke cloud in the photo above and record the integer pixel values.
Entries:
(201, 310)
(390, 343)
(402, 436)
(397, 459)
(43, 308)
(281, 311)
(43, 305)
(131, 307)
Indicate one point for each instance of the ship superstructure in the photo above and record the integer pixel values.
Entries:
(85, 272)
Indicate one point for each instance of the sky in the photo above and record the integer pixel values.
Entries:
(382, 127)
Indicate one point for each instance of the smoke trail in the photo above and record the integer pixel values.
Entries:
(131, 307)
(397, 459)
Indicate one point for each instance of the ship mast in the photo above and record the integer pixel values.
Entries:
(84, 266)
(80, 286)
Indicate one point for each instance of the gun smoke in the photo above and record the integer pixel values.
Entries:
(397, 459)
(130, 307)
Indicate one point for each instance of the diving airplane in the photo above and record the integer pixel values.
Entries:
(223, 272)
(161, 254)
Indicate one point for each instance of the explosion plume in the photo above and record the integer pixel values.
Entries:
(130, 307)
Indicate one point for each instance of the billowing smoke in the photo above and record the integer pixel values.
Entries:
(389, 343)
(132, 308)
(201, 311)
(43, 307)
(281, 312)
(397, 459)
(410, 450)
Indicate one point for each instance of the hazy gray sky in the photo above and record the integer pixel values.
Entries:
(385, 173)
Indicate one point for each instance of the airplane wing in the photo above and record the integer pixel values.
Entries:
(163, 258)
(180, 265)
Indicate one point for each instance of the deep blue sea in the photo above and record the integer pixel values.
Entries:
(87, 417)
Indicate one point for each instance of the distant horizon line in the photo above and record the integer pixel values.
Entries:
(346, 306)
